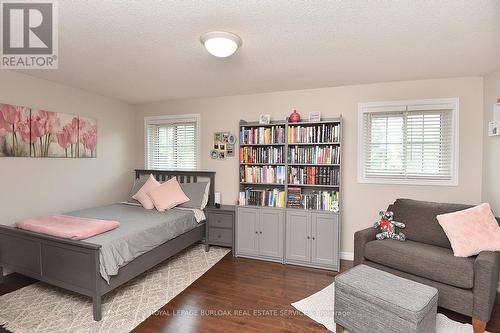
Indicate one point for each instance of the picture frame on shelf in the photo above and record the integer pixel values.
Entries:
(265, 119)
(314, 116)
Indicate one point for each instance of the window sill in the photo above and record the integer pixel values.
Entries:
(415, 182)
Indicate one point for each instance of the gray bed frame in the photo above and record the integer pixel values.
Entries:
(74, 265)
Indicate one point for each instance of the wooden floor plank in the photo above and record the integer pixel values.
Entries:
(244, 295)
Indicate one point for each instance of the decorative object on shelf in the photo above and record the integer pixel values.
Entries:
(264, 119)
(26, 132)
(217, 199)
(223, 145)
(498, 100)
(314, 116)
(294, 117)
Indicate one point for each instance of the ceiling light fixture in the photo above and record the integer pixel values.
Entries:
(221, 44)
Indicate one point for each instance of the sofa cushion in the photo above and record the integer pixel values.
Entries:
(429, 261)
(421, 222)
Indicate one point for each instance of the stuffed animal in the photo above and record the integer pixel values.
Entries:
(387, 228)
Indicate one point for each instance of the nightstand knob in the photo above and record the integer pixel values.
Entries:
(256, 232)
(308, 237)
(260, 232)
(314, 238)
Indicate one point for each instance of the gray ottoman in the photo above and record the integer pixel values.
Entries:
(370, 300)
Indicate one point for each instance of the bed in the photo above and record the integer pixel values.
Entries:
(90, 267)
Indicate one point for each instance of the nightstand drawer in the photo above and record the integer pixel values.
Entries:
(218, 235)
(219, 220)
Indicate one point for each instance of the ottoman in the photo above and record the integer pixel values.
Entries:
(370, 300)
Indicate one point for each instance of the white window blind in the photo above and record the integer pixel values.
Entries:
(412, 143)
(172, 142)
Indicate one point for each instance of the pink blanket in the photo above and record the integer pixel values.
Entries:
(65, 226)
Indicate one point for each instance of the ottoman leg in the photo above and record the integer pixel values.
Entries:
(478, 325)
(340, 329)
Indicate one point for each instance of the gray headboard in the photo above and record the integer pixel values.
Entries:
(183, 177)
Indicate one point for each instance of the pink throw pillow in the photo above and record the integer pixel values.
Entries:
(142, 195)
(167, 195)
(471, 231)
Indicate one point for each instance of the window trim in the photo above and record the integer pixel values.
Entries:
(372, 107)
(172, 118)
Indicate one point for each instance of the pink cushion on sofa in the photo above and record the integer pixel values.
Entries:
(471, 231)
(167, 195)
(142, 195)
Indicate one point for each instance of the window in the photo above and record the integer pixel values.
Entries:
(172, 142)
(413, 142)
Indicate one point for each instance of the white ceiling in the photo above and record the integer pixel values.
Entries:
(141, 51)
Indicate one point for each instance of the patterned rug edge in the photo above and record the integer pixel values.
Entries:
(14, 328)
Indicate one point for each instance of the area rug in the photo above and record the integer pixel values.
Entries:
(320, 308)
(40, 308)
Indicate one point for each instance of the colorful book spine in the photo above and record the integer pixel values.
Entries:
(321, 133)
(262, 135)
(269, 155)
(263, 174)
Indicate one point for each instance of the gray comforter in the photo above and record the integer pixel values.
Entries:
(140, 231)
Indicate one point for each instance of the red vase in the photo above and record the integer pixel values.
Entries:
(294, 117)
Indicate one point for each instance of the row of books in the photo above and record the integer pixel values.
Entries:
(266, 198)
(314, 155)
(262, 135)
(263, 174)
(262, 155)
(322, 133)
(323, 200)
(313, 175)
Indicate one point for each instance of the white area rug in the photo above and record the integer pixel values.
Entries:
(319, 307)
(41, 308)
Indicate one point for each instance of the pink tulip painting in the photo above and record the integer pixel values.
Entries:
(87, 137)
(53, 134)
(40, 133)
(14, 130)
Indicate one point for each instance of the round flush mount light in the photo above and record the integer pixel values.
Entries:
(221, 44)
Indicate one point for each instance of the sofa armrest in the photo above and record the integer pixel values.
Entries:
(360, 239)
(486, 270)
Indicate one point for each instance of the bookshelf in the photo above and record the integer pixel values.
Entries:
(290, 185)
(291, 165)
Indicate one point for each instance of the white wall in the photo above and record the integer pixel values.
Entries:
(32, 186)
(361, 202)
(491, 146)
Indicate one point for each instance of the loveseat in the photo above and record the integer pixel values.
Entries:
(466, 285)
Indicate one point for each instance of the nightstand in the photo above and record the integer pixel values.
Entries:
(220, 226)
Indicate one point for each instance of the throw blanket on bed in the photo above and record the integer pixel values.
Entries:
(65, 226)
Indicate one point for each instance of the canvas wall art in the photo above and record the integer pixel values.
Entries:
(53, 134)
(39, 133)
(14, 130)
(87, 137)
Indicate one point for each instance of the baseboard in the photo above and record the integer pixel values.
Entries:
(348, 256)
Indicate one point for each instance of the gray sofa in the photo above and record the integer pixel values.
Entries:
(466, 285)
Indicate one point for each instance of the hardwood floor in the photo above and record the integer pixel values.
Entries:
(248, 295)
(244, 295)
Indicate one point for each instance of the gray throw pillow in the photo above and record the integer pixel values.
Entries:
(195, 192)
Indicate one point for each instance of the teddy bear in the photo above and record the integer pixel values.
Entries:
(387, 228)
